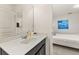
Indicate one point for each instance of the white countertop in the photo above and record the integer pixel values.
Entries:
(19, 46)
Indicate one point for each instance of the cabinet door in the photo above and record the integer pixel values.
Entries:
(3, 52)
(42, 51)
(0, 51)
(36, 50)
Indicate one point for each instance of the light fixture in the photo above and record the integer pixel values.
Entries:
(76, 6)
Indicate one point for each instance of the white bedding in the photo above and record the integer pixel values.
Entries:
(67, 40)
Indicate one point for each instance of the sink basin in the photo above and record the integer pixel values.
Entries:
(27, 40)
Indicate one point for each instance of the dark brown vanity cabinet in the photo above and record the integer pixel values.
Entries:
(3, 52)
(39, 49)
(0, 51)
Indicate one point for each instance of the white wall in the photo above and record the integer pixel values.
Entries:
(73, 23)
(7, 21)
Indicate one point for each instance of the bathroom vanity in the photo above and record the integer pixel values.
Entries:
(35, 46)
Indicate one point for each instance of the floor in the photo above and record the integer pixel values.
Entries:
(62, 50)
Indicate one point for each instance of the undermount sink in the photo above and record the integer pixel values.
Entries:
(27, 40)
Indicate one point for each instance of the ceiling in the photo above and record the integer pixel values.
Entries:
(62, 9)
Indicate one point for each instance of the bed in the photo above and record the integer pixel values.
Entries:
(69, 40)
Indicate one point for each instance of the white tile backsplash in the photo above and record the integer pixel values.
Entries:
(7, 21)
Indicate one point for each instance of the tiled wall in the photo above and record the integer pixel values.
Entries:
(7, 21)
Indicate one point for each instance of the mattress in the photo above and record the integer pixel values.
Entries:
(68, 40)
